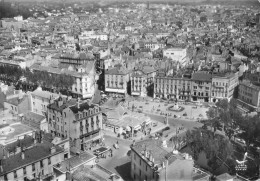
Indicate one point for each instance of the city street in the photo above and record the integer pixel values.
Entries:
(175, 122)
(120, 162)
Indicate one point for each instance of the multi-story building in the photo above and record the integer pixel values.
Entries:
(223, 86)
(29, 159)
(81, 122)
(151, 161)
(176, 54)
(40, 100)
(84, 77)
(172, 87)
(18, 103)
(142, 81)
(117, 79)
(201, 86)
(249, 96)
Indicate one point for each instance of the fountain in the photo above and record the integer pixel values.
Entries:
(176, 108)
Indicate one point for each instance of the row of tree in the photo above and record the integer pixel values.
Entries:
(13, 74)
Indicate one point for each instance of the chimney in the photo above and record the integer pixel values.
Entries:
(23, 156)
(53, 149)
(78, 103)
(17, 149)
(1, 166)
(150, 157)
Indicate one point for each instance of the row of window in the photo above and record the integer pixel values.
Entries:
(87, 113)
(33, 169)
(246, 99)
(220, 83)
(172, 81)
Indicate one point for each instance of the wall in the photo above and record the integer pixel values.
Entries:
(146, 172)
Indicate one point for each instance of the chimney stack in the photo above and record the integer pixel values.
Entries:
(78, 103)
(1, 166)
(17, 149)
(23, 156)
(53, 149)
(150, 157)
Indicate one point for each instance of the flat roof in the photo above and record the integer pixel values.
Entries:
(96, 173)
(16, 129)
(74, 162)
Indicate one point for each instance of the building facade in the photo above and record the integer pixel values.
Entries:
(116, 80)
(80, 122)
(223, 86)
(40, 100)
(84, 78)
(34, 160)
(176, 54)
(201, 86)
(170, 87)
(249, 96)
(142, 81)
(151, 161)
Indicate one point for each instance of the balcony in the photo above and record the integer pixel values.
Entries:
(95, 132)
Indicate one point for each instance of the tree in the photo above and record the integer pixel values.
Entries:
(212, 114)
(251, 129)
(217, 148)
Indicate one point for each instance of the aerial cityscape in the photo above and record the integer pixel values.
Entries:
(140, 90)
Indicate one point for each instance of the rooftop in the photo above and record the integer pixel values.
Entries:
(65, 103)
(94, 173)
(74, 162)
(202, 76)
(13, 131)
(82, 106)
(44, 94)
(31, 155)
(118, 70)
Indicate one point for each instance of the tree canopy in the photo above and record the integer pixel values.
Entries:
(217, 148)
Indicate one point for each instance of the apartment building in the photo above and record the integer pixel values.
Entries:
(81, 122)
(84, 77)
(151, 161)
(223, 86)
(117, 79)
(40, 100)
(142, 81)
(29, 159)
(172, 87)
(249, 96)
(201, 86)
(176, 54)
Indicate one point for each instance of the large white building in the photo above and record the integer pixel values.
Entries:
(84, 77)
(116, 80)
(176, 54)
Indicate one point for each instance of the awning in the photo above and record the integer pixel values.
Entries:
(136, 93)
(115, 90)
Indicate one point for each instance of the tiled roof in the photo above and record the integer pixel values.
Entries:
(74, 162)
(202, 76)
(154, 147)
(44, 94)
(82, 106)
(31, 155)
(66, 103)
(120, 70)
